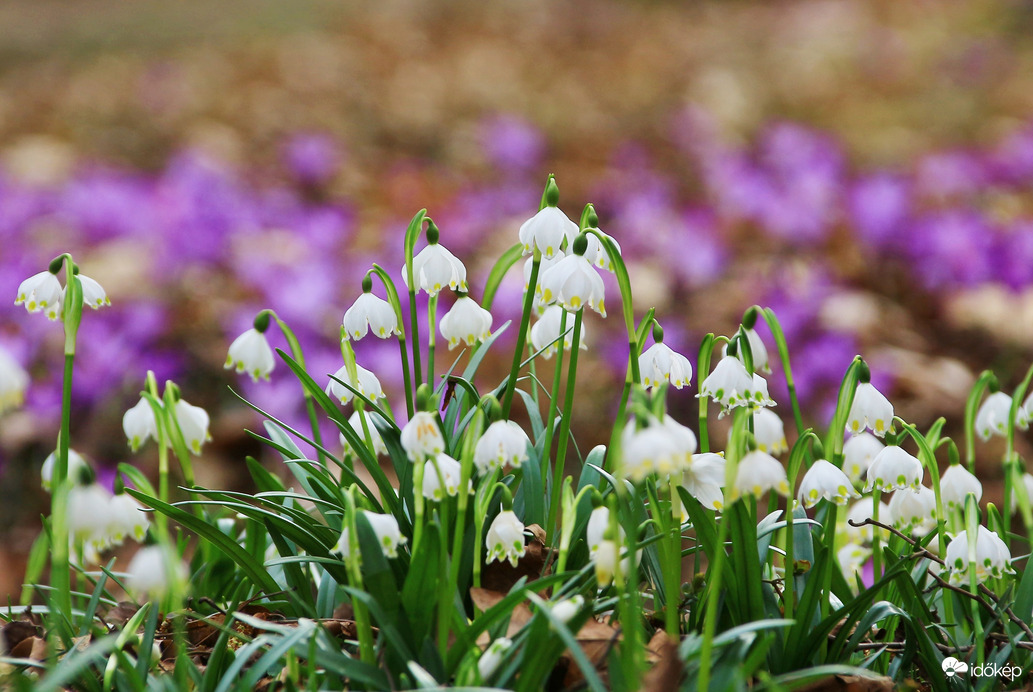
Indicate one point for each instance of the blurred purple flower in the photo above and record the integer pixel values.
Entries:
(949, 174)
(951, 249)
(312, 158)
(878, 206)
(512, 144)
(1012, 255)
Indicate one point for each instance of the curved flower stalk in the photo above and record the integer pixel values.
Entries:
(992, 418)
(465, 321)
(823, 481)
(13, 382)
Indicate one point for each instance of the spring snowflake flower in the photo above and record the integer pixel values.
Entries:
(894, 469)
(193, 423)
(466, 321)
(861, 511)
(649, 450)
(825, 481)
(434, 268)
(757, 349)
(913, 512)
(13, 381)
(567, 609)
(250, 352)
(41, 293)
(760, 472)
(127, 519)
(870, 409)
(76, 462)
(441, 476)
(385, 528)
(546, 331)
(992, 558)
(370, 313)
(852, 557)
(760, 392)
(505, 539)
(729, 384)
(704, 479)
(547, 230)
(769, 432)
(365, 382)
(606, 562)
(659, 363)
(421, 437)
(138, 424)
(858, 453)
(504, 442)
(598, 523)
(597, 254)
(492, 657)
(956, 484)
(573, 283)
(992, 418)
(683, 439)
(93, 294)
(355, 421)
(150, 570)
(1027, 480)
(88, 517)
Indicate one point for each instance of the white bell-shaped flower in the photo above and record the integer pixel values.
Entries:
(355, 421)
(823, 481)
(370, 313)
(250, 352)
(870, 410)
(492, 657)
(88, 517)
(127, 518)
(598, 523)
(597, 254)
(76, 462)
(683, 439)
(956, 484)
(607, 561)
(151, 570)
(193, 423)
(547, 230)
(648, 450)
(1027, 481)
(769, 432)
(760, 392)
(504, 442)
(567, 609)
(138, 424)
(992, 558)
(894, 469)
(858, 453)
(852, 557)
(545, 333)
(573, 283)
(385, 528)
(41, 293)
(659, 364)
(913, 512)
(365, 382)
(544, 265)
(758, 473)
(434, 268)
(704, 479)
(757, 349)
(861, 511)
(729, 385)
(441, 476)
(13, 381)
(93, 294)
(466, 321)
(421, 438)
(505, 539)
(992, 418)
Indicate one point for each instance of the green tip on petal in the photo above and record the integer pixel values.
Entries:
(552, 192)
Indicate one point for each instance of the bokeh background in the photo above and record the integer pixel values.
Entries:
(863, 167)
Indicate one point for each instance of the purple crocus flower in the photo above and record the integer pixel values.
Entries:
(312, 158)
(513, 145)
(951, 248)
(878, 206)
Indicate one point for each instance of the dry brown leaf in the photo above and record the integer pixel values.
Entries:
(667, 670)
(850, 683)
(501, 576)
(486, 598)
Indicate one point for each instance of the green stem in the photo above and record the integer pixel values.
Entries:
(783, 355)
(876, 538)
(568, 407)
(550, 419)
(672, 566)
(392, 298)
(706, 350)
(432, 319)
(310, 406)
(971, 407)
(525, 320)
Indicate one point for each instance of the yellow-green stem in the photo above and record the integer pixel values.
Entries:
(568, 410)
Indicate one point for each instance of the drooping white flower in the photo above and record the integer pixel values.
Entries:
(858, 453)
(355, 421)
(760, 472)
(466, 321)
(544, 265)
(193, 423)
(861, 511)
(504, 442)
(894, 469)
(434, 268)
(870, 410)
(992, 418)
(1027, 480)
(760, 392)
(127, 518)
(598, 523)
(659, 363)
(825, 481)
(769, 432)
(88, 517)
(139, 424)
(370, 313)
(250, 352)
(606, 560)
(704, 479)
(913, 512)
(956, 484)
(365, 382)
(150, 570)
(41, 293)
(385, 528)
(441, 476)
(93, 294)
(421, 437)
(757, 349)
(567, 609)
(75, 463)
(546, 331)
(13, 381)
(648, 450)
(729, 384)
(683, 440)
(505, 539)
(492, 657)
(547, 230)
(573, 283)
(992, 557)
(852, 557)
(597, 254)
